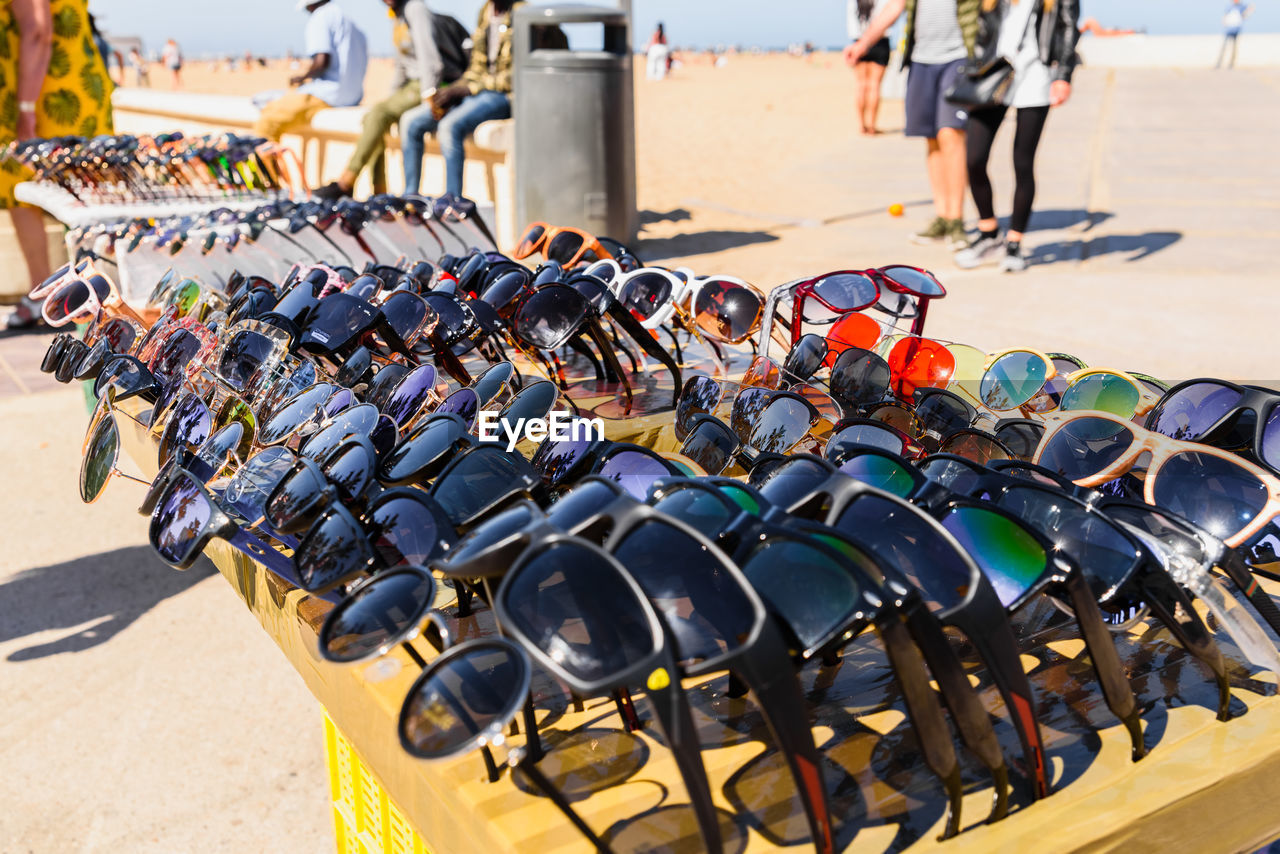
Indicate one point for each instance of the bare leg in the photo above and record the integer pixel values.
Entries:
(28, 224)
(937, 176)
(860, 93)
(953, 174)
(875, 75)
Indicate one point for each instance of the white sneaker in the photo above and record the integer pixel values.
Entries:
(984, 250)
(1013, 261)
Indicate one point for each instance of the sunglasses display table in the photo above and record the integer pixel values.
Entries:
(1205, 784)
(73, 213)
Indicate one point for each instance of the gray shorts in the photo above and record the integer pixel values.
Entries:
(927, 111)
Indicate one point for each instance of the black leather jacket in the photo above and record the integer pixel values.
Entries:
(1057, 33)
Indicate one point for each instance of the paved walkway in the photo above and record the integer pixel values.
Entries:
(144, 709)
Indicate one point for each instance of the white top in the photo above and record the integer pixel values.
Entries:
(1019, 44)
(331, 32)
(855, 24)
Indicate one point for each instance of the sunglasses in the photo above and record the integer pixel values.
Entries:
(1224, 414)
(309, 487)
(633, 467)
(1016, 379)
(567, 246)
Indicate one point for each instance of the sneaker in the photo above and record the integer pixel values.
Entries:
(1013, 261)
(933, 232)
(957, 237)
(330, 192)
(987, 249)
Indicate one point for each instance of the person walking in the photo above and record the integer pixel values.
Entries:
(1038, 38)
(940, 36)
(335, 77)
(1232, 22)
(418, 71)
(453, 113)
(141, 68)
(171, 56)
(869, 69)
(657, 54)
(57, 88)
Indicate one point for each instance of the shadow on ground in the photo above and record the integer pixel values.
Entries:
(94, 597)
(1134, 246)
(699, 243)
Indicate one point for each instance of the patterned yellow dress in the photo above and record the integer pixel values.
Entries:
(76, 98)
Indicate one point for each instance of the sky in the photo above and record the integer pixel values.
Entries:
(274, 26)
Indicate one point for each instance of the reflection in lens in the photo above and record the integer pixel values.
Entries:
(494, 529)
(816, 601)
(1216, 494)
(1007, 553)
(791, 481)
(859, 376)
(296, 498)
(880, 472)
(534, 401)
(179, 519)
(805, 358)
(579, 611)
(634, 471)
(382, 612)
(696, 508)
(350, 469)
(700, 395)
(956, 476)
(780, 426)
(463, 698)
(491, 383)
(334, 548)
(727, 310)
(1021, 438)
(188, 427)
(1102, 392)
(403, 531)
(1083, 447)
(973, 446)
(464, 403)
(563, 247)
(580, 504)
(942, 414)
(411, 394)
(1189, 412)
(298, 410)
(99, 459)
(555, 460)
(1012, 380)
(711, 445)
(424, 451)
(844, 443)
(247, 491)
(478, 481)
(359, 420)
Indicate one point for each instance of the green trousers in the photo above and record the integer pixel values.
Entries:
(382, 116)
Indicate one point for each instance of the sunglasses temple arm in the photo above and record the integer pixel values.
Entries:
(540, 782)
(766, 669)
(272, 560)
(577, 345)
(971, 719)
(1237, 570)
(641, 336)
(1106, 661)
(925, 713)
(1171, 604)
(611, 358)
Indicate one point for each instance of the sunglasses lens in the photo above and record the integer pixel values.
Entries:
(249, 487)
(295, 500)
(359, 420)
(468, 697)
(1008, 554)
(406, 314)
(377, 615)
(556, 460)
(1189, 412)
(701, 395)
(696, 508)
(53, 355)
(66, 302)
(530, 238)
(762, 373)
(175, 354)
(464, 403)
(99, 459)
(815, 609)
(404, 532)
(1012, 380)
(384, 382)
(567, 599)
(533, 401)
(711, 445)
(859, 376)
(634, 471)
(506, 288)
(1022, 439)
(547, 318)
(350, 469)
(781, 426)
(915, 281)
(791, 481)
(805, 358)
(908, 543)
(644, 294)
(490, 385)
(189, 426)
(942, 414)
(185, 297)
(851, 330)
(843, 292)
(843, 444)
(725, 613)
(423, 452)
(71, 357)
(411, 394)
(973, 446)
(178, 521)
(242, 356)
(453, 320)
(1216, 494)
(480, 480)
(1102, 392)
(919, 363)
(295, 412)
(334, 548)
(563, 247)
(880, 472)
(1084, 447)
(747, 409)
(492, 531)
(726, 310)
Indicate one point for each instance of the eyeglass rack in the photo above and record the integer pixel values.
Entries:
(73, 213)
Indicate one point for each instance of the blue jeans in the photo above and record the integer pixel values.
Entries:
(453, 130)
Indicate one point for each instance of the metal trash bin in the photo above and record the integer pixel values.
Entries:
(575, 150)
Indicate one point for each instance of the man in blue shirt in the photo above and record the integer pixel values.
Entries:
(335, 77)
(1232, 21)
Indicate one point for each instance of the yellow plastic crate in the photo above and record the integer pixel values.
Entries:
(365, 820)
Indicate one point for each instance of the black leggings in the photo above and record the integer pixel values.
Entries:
(983, 125)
